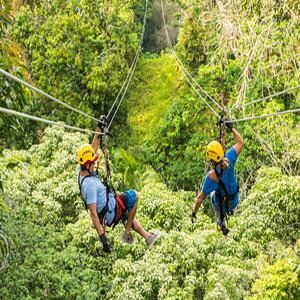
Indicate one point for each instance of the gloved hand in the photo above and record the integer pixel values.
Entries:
(193, 217)
(102, 122)
(104, 241)
(229, 124)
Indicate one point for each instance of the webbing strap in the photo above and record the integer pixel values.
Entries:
(221, 183)
(228, 197)
(218, 195)
(105, 209)
(80, 185)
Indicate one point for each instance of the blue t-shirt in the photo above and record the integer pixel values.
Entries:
(94, 191)
(228, 178)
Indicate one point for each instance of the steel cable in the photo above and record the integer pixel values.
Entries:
(182, 65)
(23, 115)
(290, 111)
(31, 87)
(131, 71)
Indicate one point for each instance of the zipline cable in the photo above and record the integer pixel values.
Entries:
(267, 115)
(29, 86)
(127, 85)
(124, 83)
(270, 96)
(131, 71)
(180, 65)
(23, 115)
(197, 92)
(180, 62)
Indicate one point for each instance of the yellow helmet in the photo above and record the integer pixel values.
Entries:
(214, 151)
(86, 154)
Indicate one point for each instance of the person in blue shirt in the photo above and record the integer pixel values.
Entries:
(107, 209)
(221, 182)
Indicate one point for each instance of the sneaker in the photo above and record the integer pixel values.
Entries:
(152, 238)
(224, 230)
(127, 238)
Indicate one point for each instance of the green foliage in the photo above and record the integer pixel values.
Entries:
(55, 253)
(78, 50)
(236, 60)
(81, 50)
(125, 164)
(12, 94)
(163, 208)
(192, 40)
(269, 210)
(155, 36)
(280, 280)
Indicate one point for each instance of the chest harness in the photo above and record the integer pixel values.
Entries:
(226, 199)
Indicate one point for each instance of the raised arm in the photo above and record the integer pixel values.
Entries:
(96, 140)
(240, 142)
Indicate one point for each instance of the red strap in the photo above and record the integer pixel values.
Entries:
(120, 201)
(120, 206)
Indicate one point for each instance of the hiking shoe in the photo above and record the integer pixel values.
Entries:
(224, 230)
(152, 238)
(127, 238)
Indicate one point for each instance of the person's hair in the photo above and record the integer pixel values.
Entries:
(225, 163)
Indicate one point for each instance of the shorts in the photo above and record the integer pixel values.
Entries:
(129, 198)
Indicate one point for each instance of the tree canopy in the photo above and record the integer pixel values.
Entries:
(81, 52)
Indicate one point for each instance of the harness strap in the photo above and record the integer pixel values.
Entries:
(218, 195)
(80, 185)
(102, 213)
(228, 197)
(105, 209)
(120, 210)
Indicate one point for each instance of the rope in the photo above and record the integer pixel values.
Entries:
(131, 70)
(29, 86)
(23, 115)
(271, 96)
(182, 65)
(267, 115)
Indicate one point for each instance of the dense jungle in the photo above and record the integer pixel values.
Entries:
(165, 72)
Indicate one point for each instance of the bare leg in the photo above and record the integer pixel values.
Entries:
(130, 218)
(137, 227)
(133, 223)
